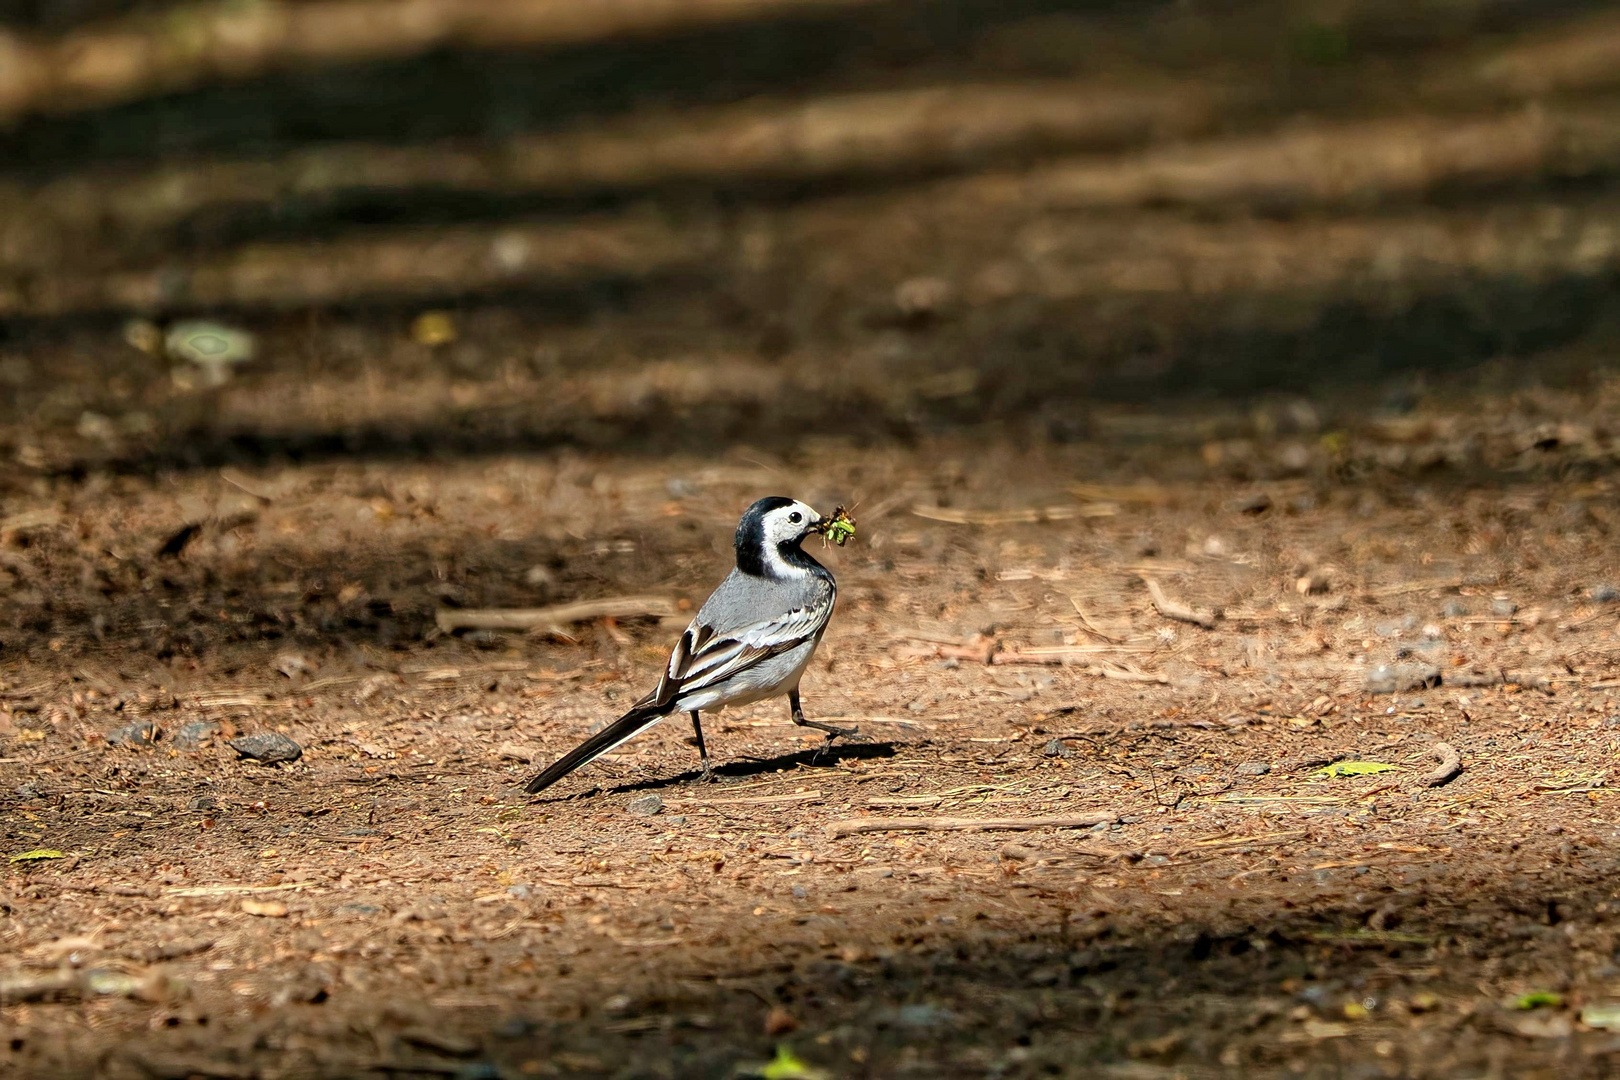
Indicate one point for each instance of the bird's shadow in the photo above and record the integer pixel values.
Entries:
(820, 757)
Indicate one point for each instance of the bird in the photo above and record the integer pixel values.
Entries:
(751, 640)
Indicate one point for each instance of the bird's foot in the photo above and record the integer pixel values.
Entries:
(852, 734)
(834, 731)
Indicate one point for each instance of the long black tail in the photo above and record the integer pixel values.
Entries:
(626, 727)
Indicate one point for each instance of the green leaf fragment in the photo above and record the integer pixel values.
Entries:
(787, 1066)
(1536, 999)
(1355, 768)
(37, 855)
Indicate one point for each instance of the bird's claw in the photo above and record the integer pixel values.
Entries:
(852, 734)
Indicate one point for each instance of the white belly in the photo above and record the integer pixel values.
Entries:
(769, 678)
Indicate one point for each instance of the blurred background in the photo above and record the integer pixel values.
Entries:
(255, 230)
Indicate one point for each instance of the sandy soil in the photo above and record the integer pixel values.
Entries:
(391, 903)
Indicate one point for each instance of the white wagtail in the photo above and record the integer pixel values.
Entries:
(752, 639)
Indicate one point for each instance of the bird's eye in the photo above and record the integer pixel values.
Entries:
(795, 517)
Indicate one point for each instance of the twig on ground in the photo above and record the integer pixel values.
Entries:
(1062, 657)
(978, 654)
(1171, 609)
(21, 986)
(1090, 627)
(1016, 852)
(1312, 761)
(1448, 769)
(1026, 516)
(756, 800)
(1083, 821)
(550, 618)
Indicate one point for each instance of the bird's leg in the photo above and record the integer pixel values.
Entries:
(703, 751)
(832, 730)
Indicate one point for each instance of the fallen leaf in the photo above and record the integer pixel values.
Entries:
(787, 1066)
(37, 855)
(1355, 768)
(1536, 999)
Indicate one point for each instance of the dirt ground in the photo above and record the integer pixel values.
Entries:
(392, 903)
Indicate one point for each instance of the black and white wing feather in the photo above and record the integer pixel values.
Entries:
(705, 659)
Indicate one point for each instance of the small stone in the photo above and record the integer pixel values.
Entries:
(923, 297)
(645, 805)
(270, 747)
(1503, 608)
(139, 734)
(1454, 609)
(293, 665)
(1253, 768)
(1313, 583)
(1423, 645)
(923, 1016)
(779, 1022)
(1394, 627)
(203, 804)
(1396, 678)
(514, 752)
(1256, 503)
(1057, 748)
(675, 819)
(521, 892)
(800, 892)
(1604, 594)
(265, 909)
(195, 735)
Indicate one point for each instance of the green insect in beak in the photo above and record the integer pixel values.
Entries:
(836, 529)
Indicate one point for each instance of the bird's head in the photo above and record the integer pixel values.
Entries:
(770, 532)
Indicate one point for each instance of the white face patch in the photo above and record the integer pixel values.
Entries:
(782, 525)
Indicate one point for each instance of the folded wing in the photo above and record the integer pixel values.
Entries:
(704, 659)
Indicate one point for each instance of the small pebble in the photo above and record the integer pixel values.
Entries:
(203, 803)
(1395, 678)
(800, 892)
(1253, 768)
(521, 892)
(140, 733)
(1257, 503)
(1057, 748)
(270, 747)
(645, 805)
(1604, 594)
(1503, 608)
(1454, 609)
(923, 1016)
